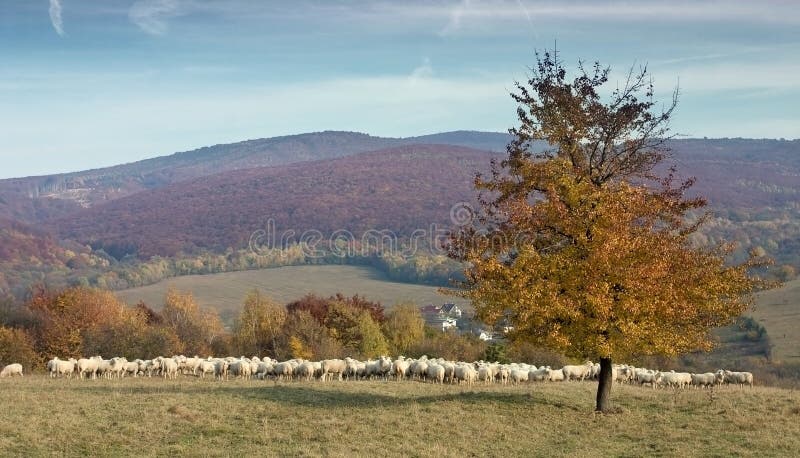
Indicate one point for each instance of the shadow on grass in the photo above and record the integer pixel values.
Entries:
(305, 395)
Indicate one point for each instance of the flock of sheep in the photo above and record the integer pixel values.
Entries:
(384, 368)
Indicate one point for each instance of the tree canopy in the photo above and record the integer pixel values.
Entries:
(579, 245)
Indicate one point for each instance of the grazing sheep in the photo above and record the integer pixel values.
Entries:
(739, 378)
(556, 375)
(11, 370)
(435, 373)
(519, 376)
(169, 368)
(578, 372)
(675, 379)
(643, 377)
(89, 366)
(539, 375)
(283, 371)
(400, 368)
(703, 380)
(331, 367)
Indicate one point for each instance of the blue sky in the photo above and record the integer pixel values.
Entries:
(89, 83)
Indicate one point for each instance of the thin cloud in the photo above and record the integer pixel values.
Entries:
(55, 17)
(151, 15)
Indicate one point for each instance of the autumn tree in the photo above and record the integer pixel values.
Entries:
(17, 346)
(579, 245)
(404, 326)
(62, 319)
(198, 330)
(314, 337)
(258, 329)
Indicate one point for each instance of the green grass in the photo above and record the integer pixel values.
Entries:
(208, 418)
(225, 292)
(779, 311)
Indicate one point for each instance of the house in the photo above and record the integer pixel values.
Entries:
(436, 318)
(451, 310)
(442, 323)
(485, 336)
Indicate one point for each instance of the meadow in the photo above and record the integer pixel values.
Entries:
(225, 292)
(196, 417)
(777, 310)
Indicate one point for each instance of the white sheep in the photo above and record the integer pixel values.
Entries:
(11, 370)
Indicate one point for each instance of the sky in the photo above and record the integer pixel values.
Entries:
(91, 83)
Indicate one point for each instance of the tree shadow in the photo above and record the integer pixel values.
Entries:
(312, 395)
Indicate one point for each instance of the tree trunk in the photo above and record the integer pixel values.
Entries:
(605, 379)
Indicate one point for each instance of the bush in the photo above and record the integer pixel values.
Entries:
(16, 346)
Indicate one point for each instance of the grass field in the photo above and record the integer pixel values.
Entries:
(779, 311)
(207, 418)
(225, 292)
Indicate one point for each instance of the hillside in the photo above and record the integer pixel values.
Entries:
(400, 189)
(779, 311)
(225, 292)
(34, 199)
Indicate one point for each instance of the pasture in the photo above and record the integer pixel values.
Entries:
(188, 416)
(778, 310)
(225, 292)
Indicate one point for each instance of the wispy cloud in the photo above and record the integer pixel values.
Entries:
(456, 15)
(151, 15)
(55, 17)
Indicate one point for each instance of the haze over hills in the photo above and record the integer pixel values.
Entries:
(34, 199)
(213, 199)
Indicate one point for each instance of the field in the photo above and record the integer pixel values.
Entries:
(207, 418)
(225, 292)
(779, 311)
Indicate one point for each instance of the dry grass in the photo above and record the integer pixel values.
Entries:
(779, 311)
(225, 292)
(207, 418)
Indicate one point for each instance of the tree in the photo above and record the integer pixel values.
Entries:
(197, 329)
(580, 246)
(404, 326)
(259, 326)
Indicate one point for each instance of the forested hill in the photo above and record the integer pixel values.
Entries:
(34, 199)
(399, 189)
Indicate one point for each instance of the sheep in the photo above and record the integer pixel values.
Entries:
(643, 376)
(57, 367)
(556, 375)
(519, 376)
(485, 375)
(435, 373)
(331, 367)
(465, 373)
(206, 367)
(419, 370)
(304, 371)
(221, 369)
(676, 379)
(283, 371)
(539, 375)
(739, 378)
(578, 372)
(169, 368)
(89, 366)
(11, 370)
(703, 380)
(400, 368)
